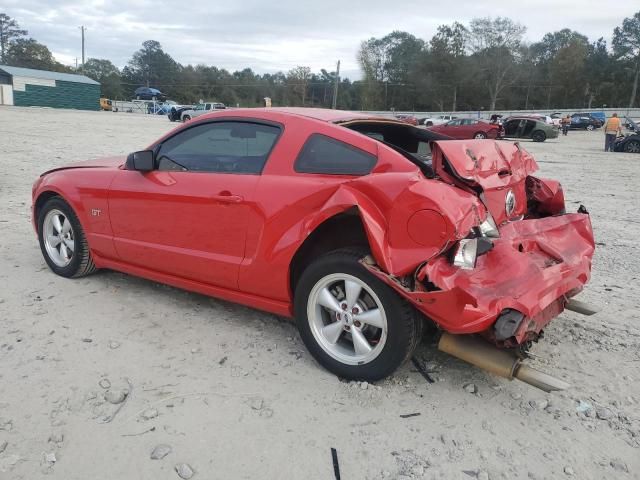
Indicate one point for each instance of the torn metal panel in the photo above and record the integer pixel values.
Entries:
(496, 170)
(532, 267)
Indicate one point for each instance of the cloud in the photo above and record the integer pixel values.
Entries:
(278, 35)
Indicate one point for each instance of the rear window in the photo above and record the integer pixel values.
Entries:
(325, 155)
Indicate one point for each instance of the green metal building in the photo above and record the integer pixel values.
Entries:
(26, 87)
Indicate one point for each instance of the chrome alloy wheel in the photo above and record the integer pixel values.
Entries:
(59, 241)
(347, 319)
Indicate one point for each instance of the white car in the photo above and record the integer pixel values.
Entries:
(551, 120)
(545, 118)
(201, 109)
(439, 120)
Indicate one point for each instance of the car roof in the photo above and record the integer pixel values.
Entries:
(525, 117)
(322, 114)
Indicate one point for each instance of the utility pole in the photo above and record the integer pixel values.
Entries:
(335, 87)
(82, 29)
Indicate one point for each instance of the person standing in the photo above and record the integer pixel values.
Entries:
(565, 122)
(611, 130)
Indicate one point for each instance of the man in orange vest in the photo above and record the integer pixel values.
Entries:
(611, 130)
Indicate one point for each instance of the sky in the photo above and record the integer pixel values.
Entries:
(282, 34)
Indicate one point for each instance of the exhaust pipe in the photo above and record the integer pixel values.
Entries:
(580, 307)
(482, 354)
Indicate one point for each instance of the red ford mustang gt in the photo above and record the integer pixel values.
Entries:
(362, 228)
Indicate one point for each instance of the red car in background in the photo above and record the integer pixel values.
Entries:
(363, 228)
(464, 128)
(410, 119)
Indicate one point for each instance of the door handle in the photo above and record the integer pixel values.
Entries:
(227, 197)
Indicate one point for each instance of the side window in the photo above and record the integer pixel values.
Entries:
(424, 150)
(325, 155)
(222, 147)
(454, 123)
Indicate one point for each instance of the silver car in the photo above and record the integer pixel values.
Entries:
(201, 109)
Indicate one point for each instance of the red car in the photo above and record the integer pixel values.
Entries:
(362, 228)
(410, 119)
(463, 128)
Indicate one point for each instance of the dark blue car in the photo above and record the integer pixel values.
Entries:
(147, 93)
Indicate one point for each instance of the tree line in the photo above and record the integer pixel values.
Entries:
(485, 65)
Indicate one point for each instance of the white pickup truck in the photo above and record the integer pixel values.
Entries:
(439, 120)
(201, 109)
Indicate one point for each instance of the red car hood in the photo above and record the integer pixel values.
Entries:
(494, 167)
(108, 162)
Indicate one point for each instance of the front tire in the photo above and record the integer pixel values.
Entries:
(590, 128)
(353, 324)
(62, 240)
(186, 118)
(479, 135)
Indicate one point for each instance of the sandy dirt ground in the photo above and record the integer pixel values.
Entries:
(234, 395)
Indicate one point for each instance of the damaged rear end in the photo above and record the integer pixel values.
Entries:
(515, 268)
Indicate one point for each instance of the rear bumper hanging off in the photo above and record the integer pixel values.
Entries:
(533, 269)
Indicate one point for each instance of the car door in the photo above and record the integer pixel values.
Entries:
(468, 128)
(511, 127)
(453, 129)
(188, 217)
(529, 126)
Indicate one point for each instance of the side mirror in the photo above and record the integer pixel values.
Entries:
(141, 161)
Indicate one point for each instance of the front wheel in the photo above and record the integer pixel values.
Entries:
(62, 240)
(353, 324)
(479, 135)
(186, 118)
(590, 128)
(538, 136)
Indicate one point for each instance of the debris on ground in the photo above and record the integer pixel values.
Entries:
(149, 413)
(184, 471)
(160, 451)
(470, 388)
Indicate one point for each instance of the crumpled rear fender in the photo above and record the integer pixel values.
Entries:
(422, 221)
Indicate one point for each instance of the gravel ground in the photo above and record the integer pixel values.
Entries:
(228, 392)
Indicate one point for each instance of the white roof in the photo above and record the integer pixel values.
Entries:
(33, 73)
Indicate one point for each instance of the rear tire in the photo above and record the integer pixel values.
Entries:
(186, 118)
(367, 330)
(479, 135)
(590, 128)
(632, 147)
(538, 136)
(62, 240)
